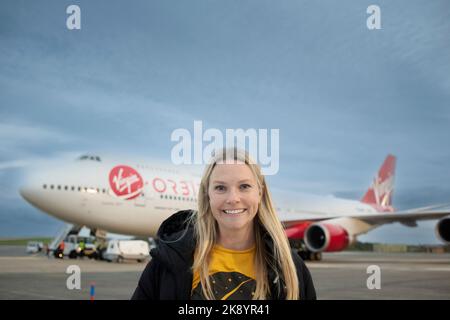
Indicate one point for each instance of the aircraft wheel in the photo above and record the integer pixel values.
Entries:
(318, 256)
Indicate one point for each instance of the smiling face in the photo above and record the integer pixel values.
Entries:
(234, 197)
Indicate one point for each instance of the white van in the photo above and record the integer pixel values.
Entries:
(34, 247)
(120, 250)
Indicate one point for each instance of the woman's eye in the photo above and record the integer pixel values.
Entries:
(219, 188)
(245, 186)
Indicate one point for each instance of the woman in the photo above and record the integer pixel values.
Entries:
(233, 247)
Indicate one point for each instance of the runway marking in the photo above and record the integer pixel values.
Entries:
(44, 265)
(19, 258)
(383, 267)
(438, 269)
(40, 295)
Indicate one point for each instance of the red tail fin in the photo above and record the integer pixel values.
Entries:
(380, 192)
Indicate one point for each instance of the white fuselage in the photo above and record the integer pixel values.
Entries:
(84, 193)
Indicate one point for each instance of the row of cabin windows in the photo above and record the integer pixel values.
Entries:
(73, 188)
(98, 190)
(89, 157)
(165, 196)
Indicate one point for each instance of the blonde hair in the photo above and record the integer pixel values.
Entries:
(266, 220)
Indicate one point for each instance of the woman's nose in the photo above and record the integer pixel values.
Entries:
(233, 196)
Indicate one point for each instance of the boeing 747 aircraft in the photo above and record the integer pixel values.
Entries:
(134, 199)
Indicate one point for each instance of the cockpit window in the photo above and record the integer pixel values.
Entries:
(90, 157)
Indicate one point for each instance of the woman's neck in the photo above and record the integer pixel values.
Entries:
(236, 239)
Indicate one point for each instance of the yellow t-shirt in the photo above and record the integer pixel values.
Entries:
(231, 273)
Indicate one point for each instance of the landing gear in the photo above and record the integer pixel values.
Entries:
(303, 251)
(316, 256)
(310, 256)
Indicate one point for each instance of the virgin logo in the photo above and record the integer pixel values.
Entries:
(126, 182)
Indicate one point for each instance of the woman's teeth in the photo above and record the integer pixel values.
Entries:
(233, 211)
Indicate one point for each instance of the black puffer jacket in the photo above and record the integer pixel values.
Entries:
(168, 275)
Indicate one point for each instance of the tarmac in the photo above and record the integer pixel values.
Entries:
(343, 275)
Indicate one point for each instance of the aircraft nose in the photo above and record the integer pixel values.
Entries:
(27, 193)
(33, 195)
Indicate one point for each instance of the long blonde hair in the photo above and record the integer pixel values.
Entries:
(265, 221)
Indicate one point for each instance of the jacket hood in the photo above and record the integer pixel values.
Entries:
(175, 241)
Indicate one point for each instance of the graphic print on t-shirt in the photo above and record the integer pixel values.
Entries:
(228, 286)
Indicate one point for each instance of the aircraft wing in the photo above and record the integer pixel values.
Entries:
(410, 216)
(406, 217)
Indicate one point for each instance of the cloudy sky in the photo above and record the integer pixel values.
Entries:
(343, 96)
